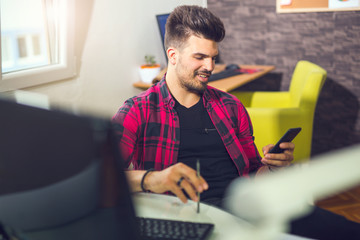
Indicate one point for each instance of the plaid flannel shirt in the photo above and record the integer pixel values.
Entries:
(148, 131)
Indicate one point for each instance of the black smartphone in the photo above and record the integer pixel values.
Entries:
(287, 137)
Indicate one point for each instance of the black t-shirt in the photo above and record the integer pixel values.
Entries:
(200, 140)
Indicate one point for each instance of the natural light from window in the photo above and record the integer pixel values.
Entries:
(24, 35)
(36, 42)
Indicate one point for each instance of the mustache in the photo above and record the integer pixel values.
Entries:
(204, 72)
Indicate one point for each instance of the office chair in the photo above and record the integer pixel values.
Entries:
(272, 113)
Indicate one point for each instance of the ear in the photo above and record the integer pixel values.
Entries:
(172, 55)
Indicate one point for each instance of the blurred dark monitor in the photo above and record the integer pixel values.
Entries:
(161, 20)
(61, 176)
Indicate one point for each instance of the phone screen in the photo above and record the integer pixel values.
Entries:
(287, 137)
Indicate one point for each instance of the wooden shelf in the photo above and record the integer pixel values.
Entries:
(226, 84)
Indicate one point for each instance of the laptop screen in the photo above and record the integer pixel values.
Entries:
(62, 176)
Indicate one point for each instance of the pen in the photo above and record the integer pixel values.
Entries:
(198, 175)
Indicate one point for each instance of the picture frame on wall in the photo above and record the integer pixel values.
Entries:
(293, 6)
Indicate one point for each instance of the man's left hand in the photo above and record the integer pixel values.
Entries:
(278, 160)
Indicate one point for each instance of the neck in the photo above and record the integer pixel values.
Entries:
(183, 96)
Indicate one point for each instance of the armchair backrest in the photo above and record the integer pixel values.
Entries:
(306, 83)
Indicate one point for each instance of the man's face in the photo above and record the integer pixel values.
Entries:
(196, 61)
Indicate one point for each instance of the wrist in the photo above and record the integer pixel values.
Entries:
(263, 170)
(143, 186)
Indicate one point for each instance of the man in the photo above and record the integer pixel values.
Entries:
(154, 132)
(165, 130)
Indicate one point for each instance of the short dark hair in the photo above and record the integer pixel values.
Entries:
(187, 20)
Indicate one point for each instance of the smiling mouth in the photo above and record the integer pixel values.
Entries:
(204, 76)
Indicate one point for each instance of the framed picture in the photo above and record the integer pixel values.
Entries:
(290, 6)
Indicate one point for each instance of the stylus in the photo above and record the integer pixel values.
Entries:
(198, 175)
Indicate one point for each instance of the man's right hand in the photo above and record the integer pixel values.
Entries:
(169, 179)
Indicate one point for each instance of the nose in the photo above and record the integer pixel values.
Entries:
(209, 64)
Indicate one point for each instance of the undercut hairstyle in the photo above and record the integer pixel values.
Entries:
(186, 21)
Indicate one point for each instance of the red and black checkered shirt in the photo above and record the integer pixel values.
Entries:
(148, 131)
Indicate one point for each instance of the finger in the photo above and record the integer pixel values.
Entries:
(290, 156)
(189, 189)
(267, 148)
(199, 184)
(276, 159)
(277, 163)
(190, 175)
(279, 160)
(179, 182)
(289, 146)
(175, 189)
(277, 156)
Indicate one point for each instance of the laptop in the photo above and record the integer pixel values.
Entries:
(61, 177)
(54, 178)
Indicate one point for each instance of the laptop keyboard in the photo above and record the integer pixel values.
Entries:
(164, 229)
(224, 74)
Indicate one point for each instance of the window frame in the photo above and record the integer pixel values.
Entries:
(64, 69)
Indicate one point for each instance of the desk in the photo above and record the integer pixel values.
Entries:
(227, 226)
(104, 223)
(226, 84)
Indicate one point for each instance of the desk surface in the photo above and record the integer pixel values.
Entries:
(104, 223)
(226, 84)
(227, 226)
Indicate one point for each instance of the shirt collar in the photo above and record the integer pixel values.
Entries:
(165, 93)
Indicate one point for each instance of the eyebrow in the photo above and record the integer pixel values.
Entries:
(204, 55)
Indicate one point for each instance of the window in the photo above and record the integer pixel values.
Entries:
(36, 42)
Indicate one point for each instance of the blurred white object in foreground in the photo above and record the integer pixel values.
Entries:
(270, 201)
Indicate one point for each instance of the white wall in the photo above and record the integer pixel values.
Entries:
(112, 38)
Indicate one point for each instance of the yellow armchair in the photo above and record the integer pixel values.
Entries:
(272, 113)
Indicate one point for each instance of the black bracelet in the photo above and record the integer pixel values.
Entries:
(143, 178)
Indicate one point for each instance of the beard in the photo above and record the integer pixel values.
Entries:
(193, 85)
(189, 81)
